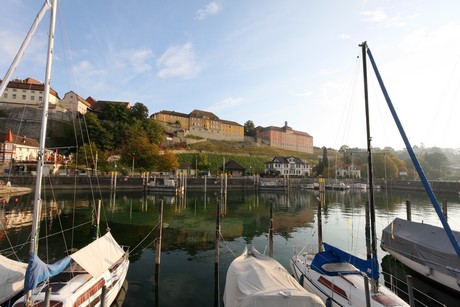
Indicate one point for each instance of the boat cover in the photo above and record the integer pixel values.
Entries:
(254, 279)
(99, 255)
(38, 271)
(423, 243)
(332, 254)
(11, 277)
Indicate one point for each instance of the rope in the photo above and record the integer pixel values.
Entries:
(146, 237)
(225, 244)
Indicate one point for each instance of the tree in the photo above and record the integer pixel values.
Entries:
(139, 111)
(249, 128)
(153, 130)
(167, 162)
(96, 132)
(115, 112)
(325, 159)
(137, 148)
(203, 161)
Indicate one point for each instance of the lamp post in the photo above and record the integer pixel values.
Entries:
(132, 169)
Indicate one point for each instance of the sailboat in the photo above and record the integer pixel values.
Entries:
(338, 277)
(432, 251)
(93, 275)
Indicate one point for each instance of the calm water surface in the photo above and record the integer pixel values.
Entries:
(186, 276)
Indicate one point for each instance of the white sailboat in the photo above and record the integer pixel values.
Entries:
(92, 276)
(338, 277)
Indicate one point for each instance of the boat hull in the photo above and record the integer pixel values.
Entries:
(344, 290)
(434, 275)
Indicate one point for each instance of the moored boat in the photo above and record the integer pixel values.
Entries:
(254, 279)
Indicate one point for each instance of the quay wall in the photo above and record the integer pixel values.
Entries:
(246, 182)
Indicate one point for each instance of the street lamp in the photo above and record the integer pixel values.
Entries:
(132, 170)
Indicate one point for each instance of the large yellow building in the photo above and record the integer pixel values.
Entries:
(203, 124)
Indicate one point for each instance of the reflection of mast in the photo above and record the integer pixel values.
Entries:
(216, 258)
(158, 255)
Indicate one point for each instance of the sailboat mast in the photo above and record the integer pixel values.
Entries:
(41, 148)
(369, 170)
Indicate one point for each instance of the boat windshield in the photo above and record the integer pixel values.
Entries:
(340, 267)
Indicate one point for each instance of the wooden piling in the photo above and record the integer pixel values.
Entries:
(270, 232)
(444, 208)
(408, 210)
(160, 233)
(320, 226)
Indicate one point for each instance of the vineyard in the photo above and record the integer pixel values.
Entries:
(210, 155)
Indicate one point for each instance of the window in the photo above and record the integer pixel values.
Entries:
(14, 90)
(40, 98)
(32, 97)
(14, 96)
(23, 97)
(5, 95)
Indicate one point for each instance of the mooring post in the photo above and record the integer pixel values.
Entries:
(217, 252)
(160, 233)
(410, 290)
(270, 232)
(408, 210)
(320, 226)
(444, 208)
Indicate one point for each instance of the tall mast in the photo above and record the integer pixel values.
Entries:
(41, 148)
(23, 47)
(375, 264)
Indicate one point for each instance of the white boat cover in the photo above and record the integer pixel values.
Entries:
(99, 255)
(423, 243)
(254, 279)
(11, 277)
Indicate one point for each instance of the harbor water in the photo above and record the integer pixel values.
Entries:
(186, 275)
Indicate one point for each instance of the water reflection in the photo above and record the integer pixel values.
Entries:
(188, 273)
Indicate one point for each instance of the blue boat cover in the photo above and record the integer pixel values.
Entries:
(38, 271)
(333, 254)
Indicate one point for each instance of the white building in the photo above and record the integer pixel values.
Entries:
(290, 166)
(28, 92)
(74, 103)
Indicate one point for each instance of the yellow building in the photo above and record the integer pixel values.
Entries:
(203, 124)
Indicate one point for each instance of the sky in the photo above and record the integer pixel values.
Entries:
(271, 62)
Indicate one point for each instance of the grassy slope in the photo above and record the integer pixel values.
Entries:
(251, 156)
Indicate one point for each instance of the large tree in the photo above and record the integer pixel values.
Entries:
(249, 128)
(139, 111)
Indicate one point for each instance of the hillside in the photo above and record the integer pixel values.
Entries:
(250, 155)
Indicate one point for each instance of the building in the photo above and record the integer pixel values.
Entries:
(289, 166)
(75, 104)
(286, 138)
(17, 148)
(28, 92)
(348, 171)
(233, 168)
(201, 123)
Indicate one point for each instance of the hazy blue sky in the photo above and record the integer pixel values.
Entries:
(260, 60)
